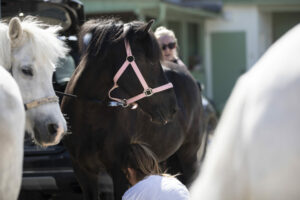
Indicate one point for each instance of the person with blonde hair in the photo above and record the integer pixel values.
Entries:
(168, 44)
(142, 170)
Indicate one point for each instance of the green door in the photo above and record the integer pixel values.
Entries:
(228, 63)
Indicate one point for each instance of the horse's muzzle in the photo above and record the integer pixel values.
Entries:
(48, 134)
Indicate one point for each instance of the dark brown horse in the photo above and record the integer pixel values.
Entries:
(168, 118)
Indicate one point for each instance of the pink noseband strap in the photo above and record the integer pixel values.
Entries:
(130, 60)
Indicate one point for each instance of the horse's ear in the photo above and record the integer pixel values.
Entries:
(148, 25)
(146, 28)
(15, 30)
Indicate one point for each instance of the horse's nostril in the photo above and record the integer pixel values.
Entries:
(174, 111)
(52, 128)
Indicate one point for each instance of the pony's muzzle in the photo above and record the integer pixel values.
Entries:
(49, 133)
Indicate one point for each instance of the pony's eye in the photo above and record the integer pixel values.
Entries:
(27, 71)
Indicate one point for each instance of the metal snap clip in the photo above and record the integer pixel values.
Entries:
(124, 103)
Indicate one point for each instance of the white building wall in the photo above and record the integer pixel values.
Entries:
(247, 18)
(265, 32)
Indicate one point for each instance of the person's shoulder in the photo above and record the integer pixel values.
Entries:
(144, 189)
(152, 179)
(178, 65)
(180, 62)
(169, 180)
(174, 188)
(159, 188)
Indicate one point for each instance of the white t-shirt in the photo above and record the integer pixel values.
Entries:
(157, 187)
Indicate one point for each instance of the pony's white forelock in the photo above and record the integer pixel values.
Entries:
(43, 38)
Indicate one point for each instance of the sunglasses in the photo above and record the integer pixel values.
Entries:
(171, 45)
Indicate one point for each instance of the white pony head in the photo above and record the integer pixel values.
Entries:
(29, 50)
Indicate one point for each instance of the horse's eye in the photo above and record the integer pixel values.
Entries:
(27, 71)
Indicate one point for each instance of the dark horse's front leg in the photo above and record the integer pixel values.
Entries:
(88, 183)
(120, 183)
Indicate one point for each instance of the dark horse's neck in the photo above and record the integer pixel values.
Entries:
(93, 82)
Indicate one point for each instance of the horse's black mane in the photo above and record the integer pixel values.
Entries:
(107, 31)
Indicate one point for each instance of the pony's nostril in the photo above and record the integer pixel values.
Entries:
(52, 128)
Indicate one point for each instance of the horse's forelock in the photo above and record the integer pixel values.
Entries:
(44, 39)
(103, 32)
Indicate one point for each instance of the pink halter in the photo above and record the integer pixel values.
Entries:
(147, 90)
